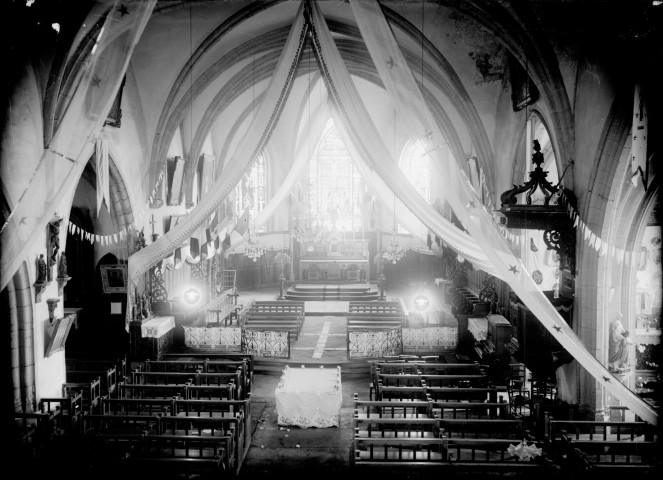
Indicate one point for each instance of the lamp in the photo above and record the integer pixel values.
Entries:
(254, 248)
(191, 296)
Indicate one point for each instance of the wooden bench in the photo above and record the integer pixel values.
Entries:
(491, 455)
(390, 409)
(217, 408)
(398, 380)
(207, 365)
(165, 391)
(292, 330)
(277, 306)
(139, 377)
(99, 365)
(108, 378)
(399, 452)
(90, 391)
(616, 455)
(376, 307)
(512, 429)
(396, 427)
(450, 368)
(120, 424)
(137, 406)
(374, 321)
(466, 380)
(455, 394)
(468, 410)
(157, 455)
(401, 393)
(576, 430)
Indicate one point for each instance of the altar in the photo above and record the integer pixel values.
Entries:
(309, 397)
(150, 337)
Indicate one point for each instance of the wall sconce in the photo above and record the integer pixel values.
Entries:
(52, 303)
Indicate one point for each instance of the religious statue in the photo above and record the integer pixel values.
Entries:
(145, 305)
(42, 268)
(619, 346)
(140, 241)
(62, 266)
(54, 231)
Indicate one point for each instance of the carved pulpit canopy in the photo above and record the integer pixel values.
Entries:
(552, 217)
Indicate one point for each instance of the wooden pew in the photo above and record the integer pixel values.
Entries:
(398, 452)
(455, 394)
(138, 406)
(491, 455)
(390, 409)
(108, 378)
(512, 429)
(171, 366)
(396, 427)
(139, 377)
(90, 391)
(120, 424)
(157, 455)
(212, 357)
(628, 458)
(401, 393)
(398, 380)
(469, 410)
(462, 380)
(217, 408)
(209, 426)
(375, 307)
(450, 368)
(277, 306)
(576, 430)
(120, 365)
(374, 322)
(166, 391)
(207, 365)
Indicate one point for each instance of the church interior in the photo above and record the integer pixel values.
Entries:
(385, 238)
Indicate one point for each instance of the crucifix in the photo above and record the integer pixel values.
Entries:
(153, 222)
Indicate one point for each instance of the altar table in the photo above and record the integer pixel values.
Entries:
(309, 397)
(157, 327)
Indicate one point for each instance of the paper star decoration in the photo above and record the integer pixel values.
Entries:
(95, 81)
(123, 10)
(391, 62)
(470, 204)
(558, 328)
(606, 379)
(512, 268)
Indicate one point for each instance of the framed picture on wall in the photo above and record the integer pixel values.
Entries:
(114, 278)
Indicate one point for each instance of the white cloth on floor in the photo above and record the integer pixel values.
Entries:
(309, 397)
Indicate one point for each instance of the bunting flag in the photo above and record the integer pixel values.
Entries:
(639, 139)
(178, 262)
(194, 250)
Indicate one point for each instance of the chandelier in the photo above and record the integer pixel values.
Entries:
(254, 249)
(394, 252)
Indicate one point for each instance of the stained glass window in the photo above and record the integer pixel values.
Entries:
(415, 164)
(335, 185)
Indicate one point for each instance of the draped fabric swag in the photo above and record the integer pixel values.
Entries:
(482, 244)
(58, 170)
(400, 83)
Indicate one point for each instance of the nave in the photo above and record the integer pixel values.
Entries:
(404, 416)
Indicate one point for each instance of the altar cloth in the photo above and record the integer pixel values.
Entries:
(157, 327)
(309, 397)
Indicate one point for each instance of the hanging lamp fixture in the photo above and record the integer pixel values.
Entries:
(394, 251)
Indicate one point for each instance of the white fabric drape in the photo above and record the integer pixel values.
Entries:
(464, 201)
(249, 147)
(103, 179)
(58, 171)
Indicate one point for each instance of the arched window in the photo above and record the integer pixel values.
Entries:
(250, 191)
(415, 164)
(335, 185)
